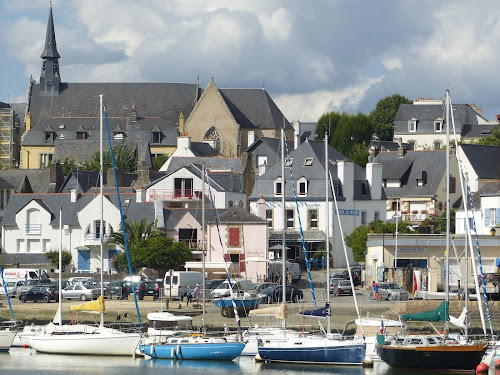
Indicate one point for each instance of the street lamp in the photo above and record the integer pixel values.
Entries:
(493, 231)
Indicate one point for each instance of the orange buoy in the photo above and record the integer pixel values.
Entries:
(482, 368)
(25, 346)
(497, 364)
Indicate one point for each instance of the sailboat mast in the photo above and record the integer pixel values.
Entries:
(101, 227)
(327, 234)
(203, 242)
(60, 266)
(283, 248)
(447, 265)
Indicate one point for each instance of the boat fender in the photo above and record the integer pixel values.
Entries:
(178, 349)
(151, 350)
(482, 368)
(497, 364)
(172, 353)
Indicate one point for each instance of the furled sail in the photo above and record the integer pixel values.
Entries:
(92, 306)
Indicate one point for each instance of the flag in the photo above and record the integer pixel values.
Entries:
(382, 326)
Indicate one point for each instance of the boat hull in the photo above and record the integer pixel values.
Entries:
(6, 339)
(439, 357)
(202, 351)
(337, 353)
(86, 344)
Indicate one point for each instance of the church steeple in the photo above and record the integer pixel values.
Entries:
(50, 78)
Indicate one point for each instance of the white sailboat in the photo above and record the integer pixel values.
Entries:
(57, 338)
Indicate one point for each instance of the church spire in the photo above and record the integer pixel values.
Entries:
(50, 78)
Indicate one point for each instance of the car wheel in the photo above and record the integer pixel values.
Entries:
(83, 297)
(22, 298)
(389, 297)
(46, 299)
(296, 299)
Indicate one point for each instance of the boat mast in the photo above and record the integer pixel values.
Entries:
(101, 227)
(447, 265)
(60, 267)
(283, 248)
(327, 235)
(203, 242)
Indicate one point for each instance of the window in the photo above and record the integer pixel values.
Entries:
(363, 217)
(438, 125)
(126, 202)
(119, 135)
(278, 187)
(411, 144)
(412, 125)
(289, 218)
(183, 188)
(363, 189)
(234, 237)
(376, 216)
(97, 229)
(394, 206)
(45, 160)
(261, 160)
(288, 162)
(49, 136)
(453, 185)
(491, 216)
(313, 219)
(80, 135)
(308, 162)
(269, 218)
(33, 223)
(302, 182)
(156, 137)
(189, 236)
(437, 145)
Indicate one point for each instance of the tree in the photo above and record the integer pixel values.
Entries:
(384, 114)
(125, 159)
(53, 256)
(491, 140)
(161, 254)
(158, 161)
(358, 238)
(328, 121)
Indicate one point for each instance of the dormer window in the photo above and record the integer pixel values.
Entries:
(118, 135)
(288, 162)
(438, 125)
(364, 191)
(49, 136)
(81, 135)
(278, 186)
(302, 184)
(308, 162)
(412, 125)
(156, 137)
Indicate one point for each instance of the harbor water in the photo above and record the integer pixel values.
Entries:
(20, 361)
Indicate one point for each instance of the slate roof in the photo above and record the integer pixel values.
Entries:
(488, 189)
(307, 131)
(477, 131)
(237, 215)
(409, 169)
(314, 174)
(387, 145)
(203, 149)
(134, 211)
(485, 160)
(427, 113)
(28, 180)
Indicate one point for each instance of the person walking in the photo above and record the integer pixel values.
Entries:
(375, 289)
(288, 277)
(278, 278)
(189, 295)
(197, 292)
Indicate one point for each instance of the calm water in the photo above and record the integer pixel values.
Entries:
(26, 361)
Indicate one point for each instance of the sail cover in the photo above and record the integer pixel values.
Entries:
(318, 313)
(438, 315)
(93, 306)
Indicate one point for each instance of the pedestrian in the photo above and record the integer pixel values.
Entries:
(189, 296)
(278, 277)
(375, 289)
(288, 277)
(197, 292)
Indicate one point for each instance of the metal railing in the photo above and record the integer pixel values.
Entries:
(174, 194)
(33, 228)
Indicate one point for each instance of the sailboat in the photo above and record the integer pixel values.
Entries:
(57, 338)
(314, 349)
(8, 329)
(195, 346)
(438, 352)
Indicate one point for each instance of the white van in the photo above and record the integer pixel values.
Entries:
(179, 280)
(277, 266)
(24, 274)
(239, 285)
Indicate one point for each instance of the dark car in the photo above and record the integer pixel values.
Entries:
(356, 275)
(45, 293)
(154, 289)
(275, 294)
(119, 289)
(139, 287)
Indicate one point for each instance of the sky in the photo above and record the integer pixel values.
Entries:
(312, 57)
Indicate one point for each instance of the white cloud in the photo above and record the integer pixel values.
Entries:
(392, 63)
(278, 26)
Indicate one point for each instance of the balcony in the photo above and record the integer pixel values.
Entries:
(92, 238)
(414, 217)
(174, 194)
(33, 228)
(192, 244)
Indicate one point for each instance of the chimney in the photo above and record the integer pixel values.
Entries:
(345, 172)
(140, 195)
(251, 137)
(56, 175)
(296, 134)
(110, 178)
(73, 195)
(143, 175)
(374, 178)
(181, 124)
(183, 144)
(134, 113)
(401, 151)
(244, 159)
(261, 208)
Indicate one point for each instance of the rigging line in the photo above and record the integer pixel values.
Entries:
(124, 229)
(231, 293)
(464, 199)
(485, 296)
(311, 286)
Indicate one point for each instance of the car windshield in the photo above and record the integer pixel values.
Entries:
(390, 286)
(269, 289)
(10, 284)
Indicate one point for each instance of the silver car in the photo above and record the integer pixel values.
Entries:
(82, 292)
(392, 292)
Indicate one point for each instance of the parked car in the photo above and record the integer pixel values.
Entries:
(82, 292)
(30, 284)
(154, 289)
(45, 293)
(356, 275)
(392, 292)
(238, 285)
(334, 282)
(11, 288)
(83, 280)
(275, 294)
(344, 287)
(337, 275)
(259, 287)
(119, 289)
(139, 287)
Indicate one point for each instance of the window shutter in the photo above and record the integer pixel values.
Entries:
(242, 262)
(234, 237)
(497, 216)
(486, 216)
(226, 258)
(453, 183)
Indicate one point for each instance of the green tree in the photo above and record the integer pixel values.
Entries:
(125, 159)
(358, 238)
(384, 114)
(441, 222)
(68, 165)
(328, 121)
(53, 256)
(161, 254)
(491, 140)
(158, 161)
